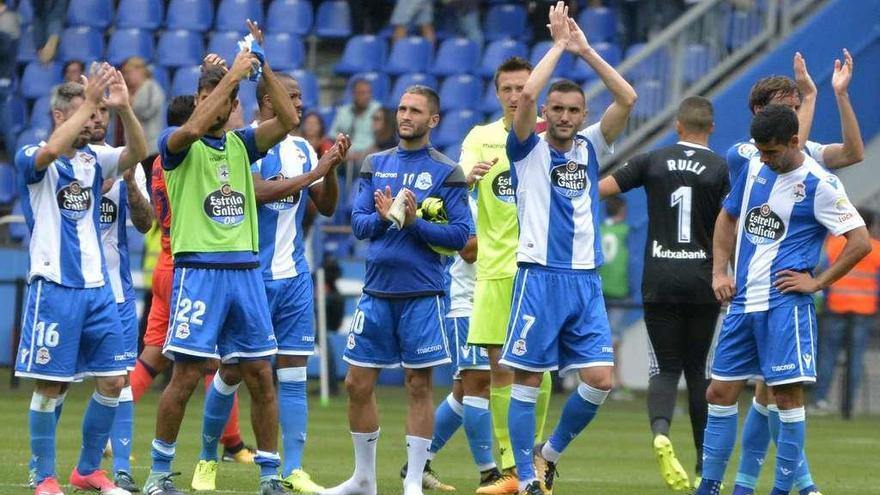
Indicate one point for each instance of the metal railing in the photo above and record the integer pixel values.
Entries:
(695, 53)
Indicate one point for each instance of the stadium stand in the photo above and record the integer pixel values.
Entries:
(410, 54)
(193, 15)
(333, 19)
(460, 92)
(81, 43)
(180, 48)
(38, 79)
(142, 14)
(286, 51)
(93, 13)
(456, 56)
(363, 53)
(231, 12)
(125, 43)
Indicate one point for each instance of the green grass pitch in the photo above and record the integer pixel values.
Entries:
(612, 457)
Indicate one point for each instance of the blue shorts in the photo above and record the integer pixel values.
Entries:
(68, 333)
(129, 319)
(293, 314)
(778, 344)
(558, 321)
(464, 355)
(387, 333)
(218, 313)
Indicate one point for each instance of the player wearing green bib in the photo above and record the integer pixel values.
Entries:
(484, 161)
(219, 306)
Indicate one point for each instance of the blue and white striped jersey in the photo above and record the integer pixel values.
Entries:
(462, 278)
(114, 238)
(557, 199)
(739, 154)
(282, 250)
(60, 207)
(783, 221)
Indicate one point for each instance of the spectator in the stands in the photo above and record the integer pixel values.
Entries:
(73, 70)
(369, 17)
(147, 101)
(48, 23)
(467, 13)
(314, 131)
(353, 119)
(384, 129)
(409, 12)
(10, 31)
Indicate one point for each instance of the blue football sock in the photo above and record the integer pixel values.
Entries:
(268, 462)
(743, 490)
(777, 491)
(579, 410)
(789, 447)
(293, 415)
(478, 429)
(447, 420)
(41, 423)
(521, 423)
(97, 422)
(717, 446)
(755, 441)
(122, 433)
(803, 480)
(218, 404)
(162, 454)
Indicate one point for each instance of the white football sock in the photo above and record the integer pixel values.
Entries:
(416, 456)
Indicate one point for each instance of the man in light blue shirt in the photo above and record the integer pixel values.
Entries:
(353, 119)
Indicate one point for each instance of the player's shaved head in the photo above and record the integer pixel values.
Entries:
(430, 94)
(263, 87)
(771, 90)
(695, 114)
(512, 64)
(179, 110)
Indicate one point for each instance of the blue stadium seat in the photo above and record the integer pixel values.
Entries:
(454, 126)
(160, 74)
(363, 53)
(31, 136)
(290, 16)
(231, 14)
(505, 21)
(180, 48)
(698, 61)
(489, 101)
(41, 114)
(410, 54)
(599, 24)
(247, 96)
(81, 43)
(284, 51)
(456, 56)
(651, 99)
(654, 67)
(225, 44)
(27, 52)
(333, 19)
(379, 81)
(597, 105)
(581, 71)
(499, 51)
(186, 81)
(25, 12)
(405, 81)
(38, 79)
(92, 13)
(7, 184)
(460, 92)
(192, 15)
(741, 28)
(13, 116)
(308, 85)
(541, 48)
(142, 14)
(130, 42)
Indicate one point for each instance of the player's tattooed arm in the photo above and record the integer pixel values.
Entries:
(852, 150)
(119, 101)
(139, 206)
(526, 115)
(209, 110)
(858, 245)
(722, 250)
(614, 119)
(62, 138)
(325, 194)
(807, 89)
(469, 252)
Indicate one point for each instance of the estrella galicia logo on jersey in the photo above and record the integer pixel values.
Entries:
(502, 187)
(74, 201)
(763, 226)
(109, 212)
(424, 181)
(285, 203)
(569, 180)
(225, 206)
